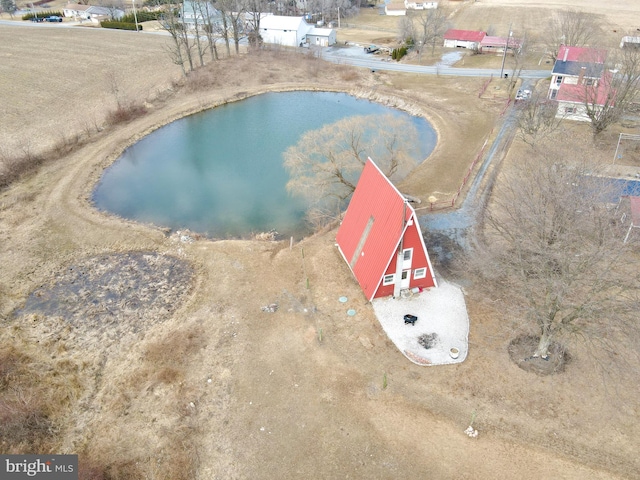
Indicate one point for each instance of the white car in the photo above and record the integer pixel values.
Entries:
(523, 94)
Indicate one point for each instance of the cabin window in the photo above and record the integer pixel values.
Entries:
(419, 273)
(388, 280)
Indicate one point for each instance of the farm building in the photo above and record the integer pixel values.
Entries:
(321, 37)
(380, 239)
(490, 44)
(463, 39)
(395, 9)
(420, 5)
(630, 42)
(294, 32)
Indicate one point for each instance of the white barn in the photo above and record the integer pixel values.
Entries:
(288, 31)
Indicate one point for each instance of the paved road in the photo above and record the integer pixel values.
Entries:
(352, 56)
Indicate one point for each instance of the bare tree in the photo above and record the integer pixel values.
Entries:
(224, 27)
(552, 252)
(254, 10)
(536, 119)
(115, 7)
(432, 25)
(180, 47)
(325, 164)
(236, 20)
(209, 18)
(571, 27)
(407, 29)
(8, 6)
(606, 100)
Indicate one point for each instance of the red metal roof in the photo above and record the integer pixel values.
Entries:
(490, 41)
(372, 227)
(600, 95)
(567, 53)
(464, 35)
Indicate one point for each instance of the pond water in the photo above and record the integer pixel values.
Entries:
(220, 173)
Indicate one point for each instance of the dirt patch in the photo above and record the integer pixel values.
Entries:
(521, 347)
(111, 295)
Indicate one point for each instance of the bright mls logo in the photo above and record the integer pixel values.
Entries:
(50, 467)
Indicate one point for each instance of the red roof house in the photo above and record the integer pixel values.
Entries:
(380, 238)
(580, 79)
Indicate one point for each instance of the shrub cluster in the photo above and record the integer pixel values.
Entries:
(119, 25)
(142, 17)
(125, 113)
(398, 53)
(44, 14)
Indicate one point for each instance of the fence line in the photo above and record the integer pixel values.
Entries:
(451, 203)
(485, 85)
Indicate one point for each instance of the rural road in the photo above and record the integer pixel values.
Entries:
(355, 56)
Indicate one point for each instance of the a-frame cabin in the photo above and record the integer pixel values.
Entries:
(380, 238)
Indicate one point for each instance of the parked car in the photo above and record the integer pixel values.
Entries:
(371, 49)
(37, 19)
(54, 18)
(523, 94)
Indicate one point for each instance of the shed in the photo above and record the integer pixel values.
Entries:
(630, 42)
(380, 238)
(491, 44)
(395, 9)
(463, 39)
(321, 37)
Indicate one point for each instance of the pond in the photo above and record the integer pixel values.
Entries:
(220, 173)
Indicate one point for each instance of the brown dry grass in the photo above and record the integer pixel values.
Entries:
(280, 403)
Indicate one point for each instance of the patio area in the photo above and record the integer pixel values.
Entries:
(441, 311)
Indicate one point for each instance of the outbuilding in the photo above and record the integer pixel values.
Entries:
(286, 31)
(381, 241)
(463, 39)
(321, 37)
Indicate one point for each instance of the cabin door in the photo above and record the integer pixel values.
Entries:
(405, 279)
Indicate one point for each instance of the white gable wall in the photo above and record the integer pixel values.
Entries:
(287, 31)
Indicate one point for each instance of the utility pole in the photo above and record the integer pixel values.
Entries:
(504, 53)
(135, 15)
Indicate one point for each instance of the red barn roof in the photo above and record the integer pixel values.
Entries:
(373, 226)
(464, 35)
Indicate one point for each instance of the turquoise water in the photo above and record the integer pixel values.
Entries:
(220, 172)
